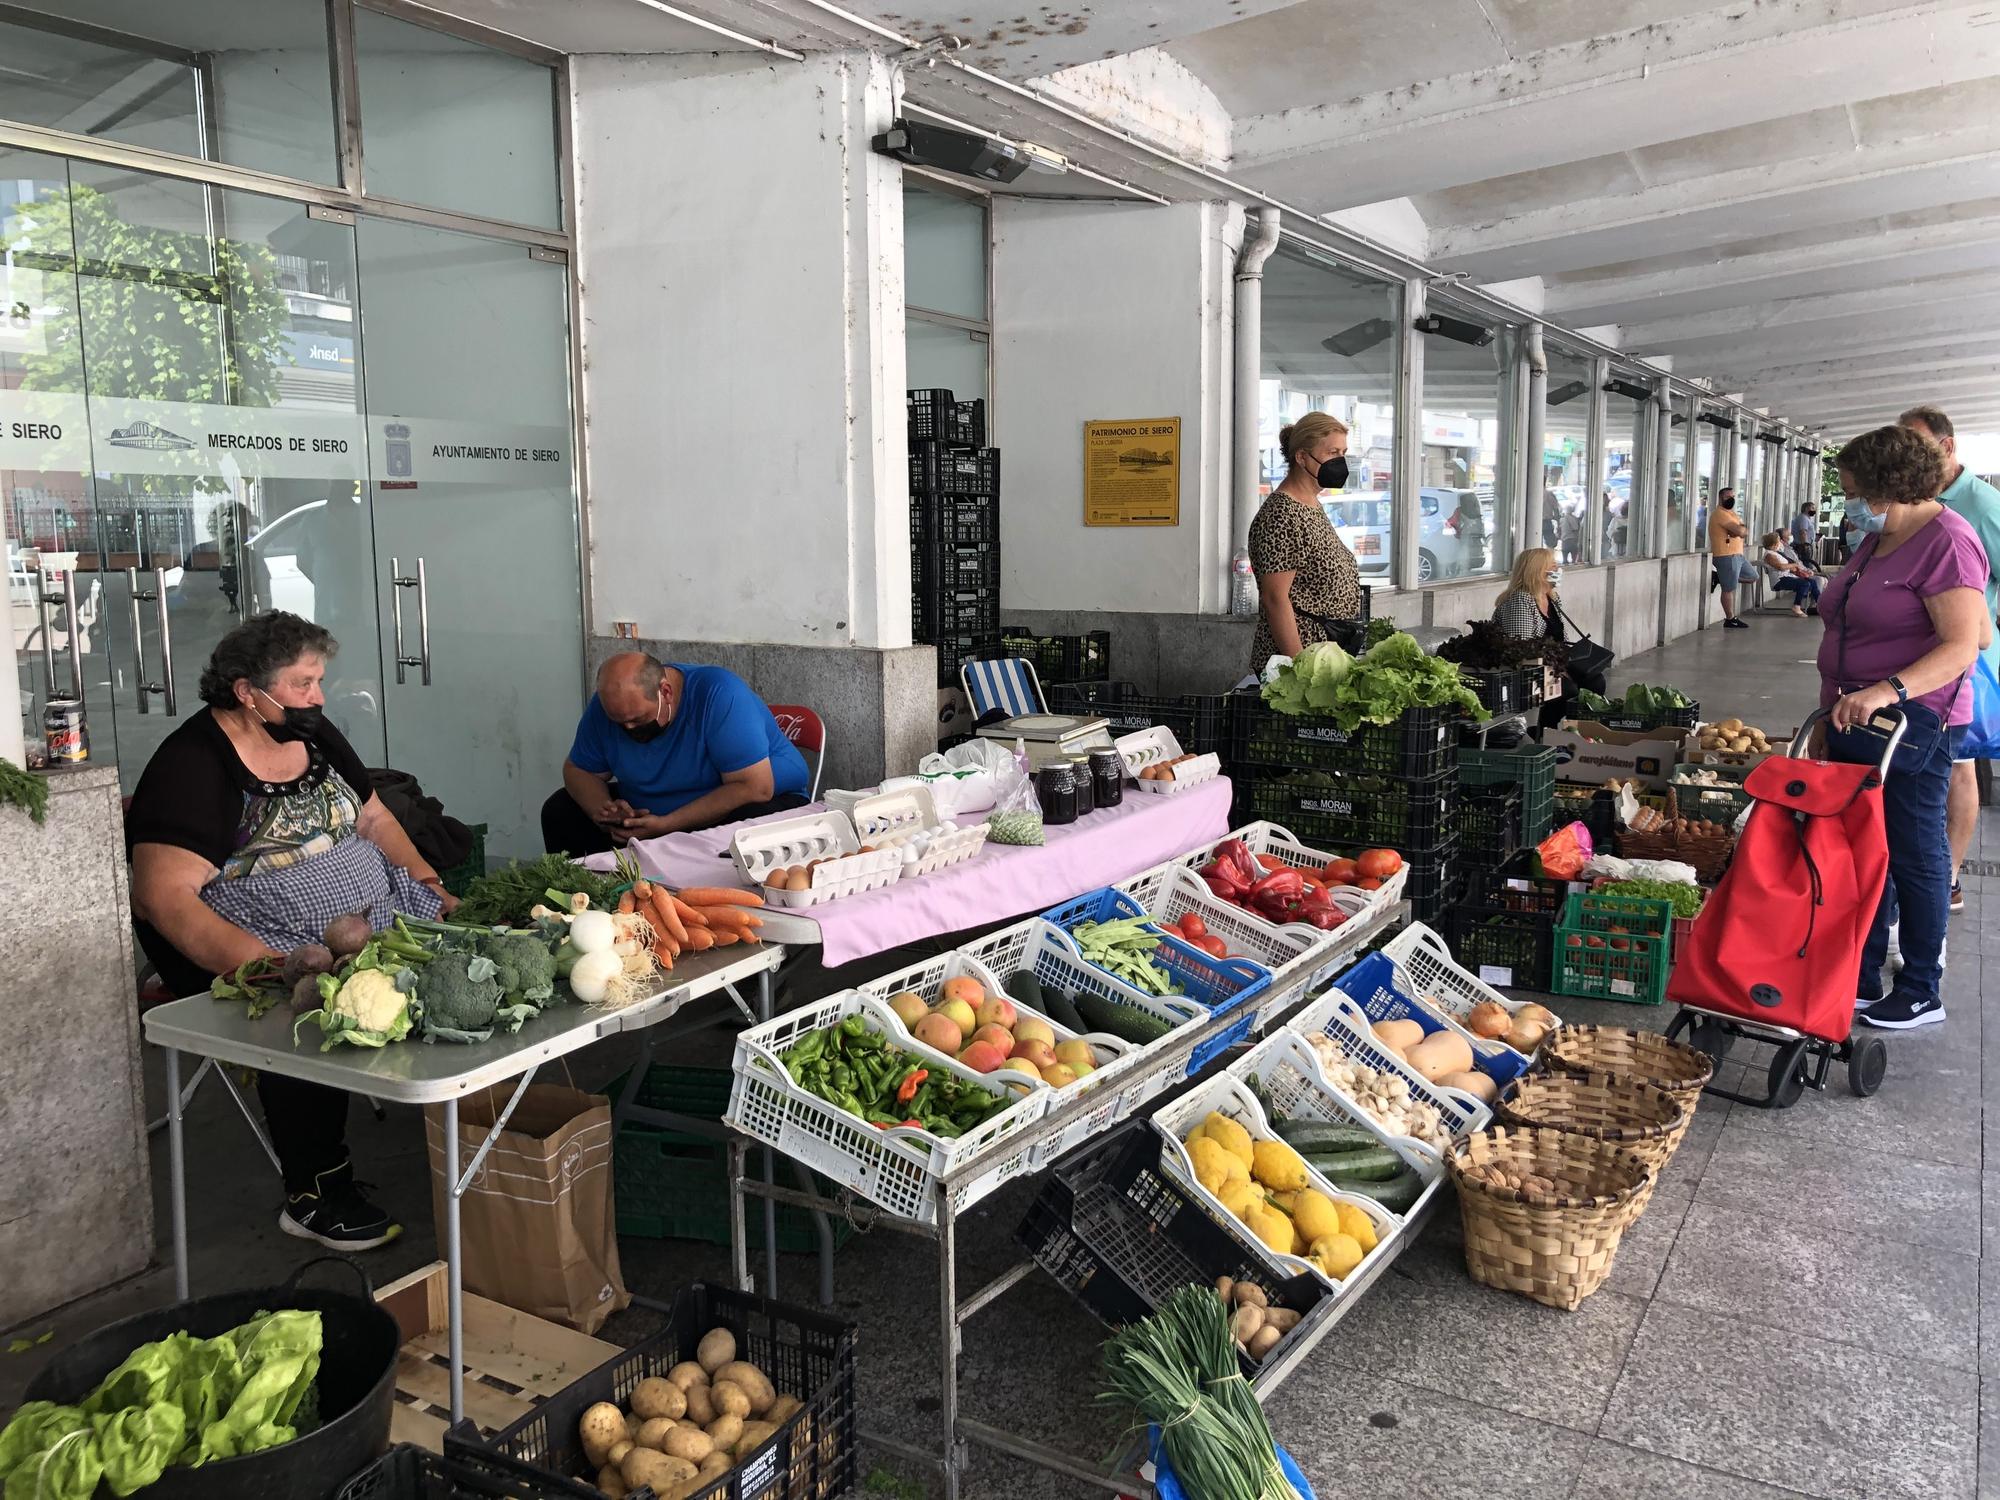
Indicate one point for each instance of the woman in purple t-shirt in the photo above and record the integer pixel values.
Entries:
(1904, 619)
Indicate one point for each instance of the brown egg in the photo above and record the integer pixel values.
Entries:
(799, 880)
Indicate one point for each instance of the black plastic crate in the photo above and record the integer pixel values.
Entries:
(1507, 948)
(1321, 807)
(935, 417)
(953, 651)
(1670, 718)
(1435, 884)
(954, 520)
(965, 612)
(1062, 658)
(1515, 885)
(940, 571)
(1489, 823)
(1421, 744)
(805, 1354)
(1503, 690)
(1198, 720)
(407, 1472)
(1118, 1235)
(942, 469)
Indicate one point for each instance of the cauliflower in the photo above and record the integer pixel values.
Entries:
(370, 1008)
(460, 994)
(527, 967)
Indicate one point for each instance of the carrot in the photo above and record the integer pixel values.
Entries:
(735, 918)
(642, 891)
(692, 915)
(666, 918)
(700, 940)
(663, 955)
(724, 938)
(705, 895)
(627, 904)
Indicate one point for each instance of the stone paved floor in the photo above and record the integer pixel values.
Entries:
(1800, 1313)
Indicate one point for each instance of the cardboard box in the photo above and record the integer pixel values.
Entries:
(1588, 752)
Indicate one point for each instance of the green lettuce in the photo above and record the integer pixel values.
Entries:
(1307, 684)
(1395, 676)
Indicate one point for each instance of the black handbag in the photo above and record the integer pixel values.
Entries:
(1586, 657)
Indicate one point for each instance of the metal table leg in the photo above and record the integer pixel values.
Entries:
(764, 1005)
(454, 1285)
(947, 1241)
(177, 1174)
(739, 1235)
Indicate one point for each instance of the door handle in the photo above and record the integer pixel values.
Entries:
(67, 599)
(398, 580)
(157, 597)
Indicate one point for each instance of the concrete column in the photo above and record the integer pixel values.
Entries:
(1593, 539)
(1407, 480)
(1536, 435)
(1663, 464)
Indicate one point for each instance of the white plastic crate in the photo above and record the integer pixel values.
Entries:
(1274, 841)
(1344, 1023)
(1428, 974)
(897, 1168)
(1226, 1094)
(1171, 892)
(1117, 1059)
(1288, 1072)
(1152, 747)
(827, 836)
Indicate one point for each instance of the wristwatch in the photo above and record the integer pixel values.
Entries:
(1902, 693)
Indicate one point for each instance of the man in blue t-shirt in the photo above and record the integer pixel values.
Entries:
(663, 749)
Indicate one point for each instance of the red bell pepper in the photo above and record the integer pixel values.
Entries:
(1325, 918)
(1221, 872)
(1236, 853)
(1287, 884)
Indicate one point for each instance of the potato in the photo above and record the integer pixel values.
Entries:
(611, 1482)
(717, 1348)
(781, 1409)
(726, 1430)
(653, 1433)
(714, 1467)
(599, 1428)
(1284, 1319)
(1264, 1341)
(687, 1373)
(618, 1451)
(730, 1399)
(755, 1435)
(644, 1466)
(754, 1383)
(690, 1443)
(1249, 1294)
(654, 1397)
(700, 1406)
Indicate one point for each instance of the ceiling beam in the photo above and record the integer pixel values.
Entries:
(1792, 312)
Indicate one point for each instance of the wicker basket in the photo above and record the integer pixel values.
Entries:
(1558, 1249)
(1633, 1056)
(1708, 853)
(1645, 1120)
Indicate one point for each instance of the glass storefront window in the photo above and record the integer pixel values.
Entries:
(940, 357)
(1466, 488)
(248, 85)
(450, 124)
(1627, 517)
(947, 340)
(1329, 344)
(1704, 486)
(1566, 454)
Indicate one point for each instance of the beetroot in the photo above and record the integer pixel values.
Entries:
(348, 935)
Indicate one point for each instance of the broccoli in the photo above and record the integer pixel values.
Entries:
(527, 967)
(460, 994)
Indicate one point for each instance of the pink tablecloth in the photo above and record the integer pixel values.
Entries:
(1001, 882)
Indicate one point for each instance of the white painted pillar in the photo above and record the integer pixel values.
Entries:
(1660, 481)
(1405, 502)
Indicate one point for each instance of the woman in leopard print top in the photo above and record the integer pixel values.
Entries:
(1306, 577)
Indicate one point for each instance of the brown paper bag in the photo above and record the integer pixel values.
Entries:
(536, 1224)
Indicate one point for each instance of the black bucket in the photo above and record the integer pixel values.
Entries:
(356, 1387)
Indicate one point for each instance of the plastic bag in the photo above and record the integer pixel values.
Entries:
(1611, 867)
(1017, 812)
(1982, 735)
(1565, 852)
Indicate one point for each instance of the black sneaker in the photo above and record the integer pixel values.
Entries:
(1735, 624)
(1904, 1013)
(339, 1217)
(1957, 897)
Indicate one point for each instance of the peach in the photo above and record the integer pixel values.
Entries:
(1059, 1076)
(998, 1010)
(1029, 1029)
(940, 1031)
(999, 1036)
(1040, 1053)
(961, 1015)
(1076, 1053)
(969, 990)
(909, 1007)
(982, 1057)
(1020, 1065)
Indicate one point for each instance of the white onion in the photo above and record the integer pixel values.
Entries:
(590, 980)
(592, 931)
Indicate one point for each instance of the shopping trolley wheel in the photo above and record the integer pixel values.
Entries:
(1867, 1061)
(1787, 1076)
(1712, 1037)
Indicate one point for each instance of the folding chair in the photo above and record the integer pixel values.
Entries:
(806, 730)
(1006, 685)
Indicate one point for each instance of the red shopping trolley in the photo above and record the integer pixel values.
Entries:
(1774, 954)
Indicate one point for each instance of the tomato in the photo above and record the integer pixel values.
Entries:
(1193, 928)
(1340, 872)
(1621, 945)
(1573, 941)
(1368, 883)
(1380, 863)
(1214, 947)
(1593, 942)
(1271, 866)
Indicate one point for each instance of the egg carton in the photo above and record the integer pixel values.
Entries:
(827, 836)
(1227, 1094)
(1151, 747)
(907, 819)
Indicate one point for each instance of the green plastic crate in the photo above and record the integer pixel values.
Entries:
(1532, 768)
(1721, 804)
(673, 1185)
(469, 869)
(1593, 962)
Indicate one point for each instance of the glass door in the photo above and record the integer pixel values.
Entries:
(226, 444)
(467, 377)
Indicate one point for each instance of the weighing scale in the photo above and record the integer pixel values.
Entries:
(1048, 737)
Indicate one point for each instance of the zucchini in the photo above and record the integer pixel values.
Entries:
(1024, 987)
(1398, 1194)
(1308, 1137)
(1378, 1164)
(1123, 1021)
(1058, 1007)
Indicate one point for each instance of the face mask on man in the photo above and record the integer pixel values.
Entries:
(293, 723)
(1333, 473)
(652, 729)
(1861, 518)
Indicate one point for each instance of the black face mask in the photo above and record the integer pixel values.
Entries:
(652, 729)
(296, 723)
(1333, 473)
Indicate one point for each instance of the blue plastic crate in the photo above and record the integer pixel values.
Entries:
(1223, 985)
(1167, 1484)
(1371, 984)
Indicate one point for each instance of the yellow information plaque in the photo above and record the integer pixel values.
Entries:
(1132, 472)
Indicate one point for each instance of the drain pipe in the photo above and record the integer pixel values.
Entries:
(1259, 240)
(1537, 467)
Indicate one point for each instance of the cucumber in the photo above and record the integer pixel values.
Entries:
(1377, 1164)
(1058, 1007)
(1398, 1194)
(1122, 1021)
(1316, 1136)
(1024, 987)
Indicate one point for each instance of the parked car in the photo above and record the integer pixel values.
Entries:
(1452, 532)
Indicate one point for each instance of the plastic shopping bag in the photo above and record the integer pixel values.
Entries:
(1982, 735)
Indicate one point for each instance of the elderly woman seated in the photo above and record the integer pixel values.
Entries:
(1790, 576)
(253, 826)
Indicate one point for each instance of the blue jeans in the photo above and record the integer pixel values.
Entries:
(1918, 889)
(1804, 591)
